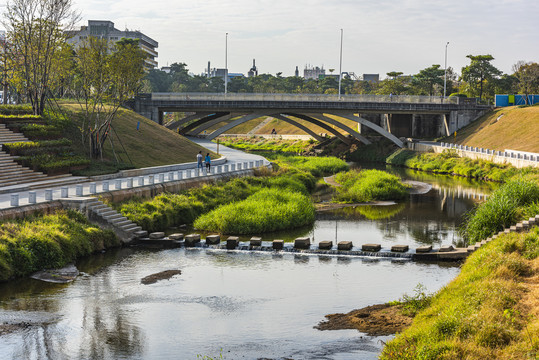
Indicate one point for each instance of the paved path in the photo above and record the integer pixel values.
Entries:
(232, 157)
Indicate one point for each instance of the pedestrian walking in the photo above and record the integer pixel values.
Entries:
(208, 162)
(199, 160)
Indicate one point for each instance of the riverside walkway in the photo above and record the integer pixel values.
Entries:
(26, 194)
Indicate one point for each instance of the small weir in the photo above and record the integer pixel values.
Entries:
(301, 246)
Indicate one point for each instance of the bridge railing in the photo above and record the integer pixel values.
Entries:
(308, 98)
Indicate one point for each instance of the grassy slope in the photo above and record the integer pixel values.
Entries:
(517, 129)
(282, 127)
(151, 145)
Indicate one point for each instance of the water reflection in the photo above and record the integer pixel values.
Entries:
(250, 304)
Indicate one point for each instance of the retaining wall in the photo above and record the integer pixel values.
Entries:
(516, 158)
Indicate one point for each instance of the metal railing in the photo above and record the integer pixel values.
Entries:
(416, 99)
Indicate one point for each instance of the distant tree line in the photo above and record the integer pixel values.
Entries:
(478, 79)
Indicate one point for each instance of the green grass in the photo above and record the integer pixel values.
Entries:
(514, 201)
(368, 185)
(260, 144)
(266, 211)
(48, 241)
(485, 313)
(450, 163)
(168, 210)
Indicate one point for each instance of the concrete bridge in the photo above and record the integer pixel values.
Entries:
(392, 117)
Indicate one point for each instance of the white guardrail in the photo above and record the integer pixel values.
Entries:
(307, 98)
(510, 154)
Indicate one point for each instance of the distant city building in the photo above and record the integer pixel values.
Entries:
(313, 72)
(371, 77)
(106, 30)
(253, 71)
(296, 73)
(221, 73)
(166, 69)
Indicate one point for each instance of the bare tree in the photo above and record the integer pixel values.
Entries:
(35, 30)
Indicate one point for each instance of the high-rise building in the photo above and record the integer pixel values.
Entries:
(105, 29)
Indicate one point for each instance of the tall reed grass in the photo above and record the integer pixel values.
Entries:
(265, 211)
(368, 185)
(507, 205)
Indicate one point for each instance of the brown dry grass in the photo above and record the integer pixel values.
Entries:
(505, 128)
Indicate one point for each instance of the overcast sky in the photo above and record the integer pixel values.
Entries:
(379, 35)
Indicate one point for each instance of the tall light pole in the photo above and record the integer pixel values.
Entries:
(226, 62)
(445, 67)
(340, 68)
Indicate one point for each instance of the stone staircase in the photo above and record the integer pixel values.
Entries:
(8, 136)
(107, 217)
(12, 175)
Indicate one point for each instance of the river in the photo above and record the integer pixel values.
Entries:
(239, 304)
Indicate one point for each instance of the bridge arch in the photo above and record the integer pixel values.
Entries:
(315, 119)
(378, 129)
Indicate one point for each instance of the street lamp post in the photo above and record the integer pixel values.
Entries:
(340, 67)
(445, 67)
(226, 62)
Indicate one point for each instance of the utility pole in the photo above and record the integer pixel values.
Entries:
(445, 67)
(226, 62)
(340, 67)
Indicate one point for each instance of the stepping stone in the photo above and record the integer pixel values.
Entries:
(371, 247)
(278, 244)
(325, 245)
(255, 241)
(177, 236)
(424, 249)
(526, 224)
(157, 235)
(344, 245)
(446, 248)
(213, 239)
(302, 243)
(232, 242)
(400, 248)
(140, 233)
(191, 240)
(470, 249)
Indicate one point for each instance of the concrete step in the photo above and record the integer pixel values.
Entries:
(122, 223)
(131, 228)
(113, 216)
(106, 212)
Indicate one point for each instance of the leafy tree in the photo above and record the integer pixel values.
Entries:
(395, 84)
(35, 32)
(528, 78)
(107, 75)
(428, 78)
(479, 71)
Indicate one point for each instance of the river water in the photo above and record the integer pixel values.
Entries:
(238, 304)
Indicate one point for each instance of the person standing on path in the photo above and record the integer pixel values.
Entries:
(199, 160)
(208, 162)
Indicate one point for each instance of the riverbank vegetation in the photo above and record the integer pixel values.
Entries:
(48, 241)
(450, 163)
(514, 201)
(490, 311)
(255, 143)
(291, 183)
(368, 185)
(265, 211)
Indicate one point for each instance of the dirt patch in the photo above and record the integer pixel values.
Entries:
(374, 320)
(163, 275)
